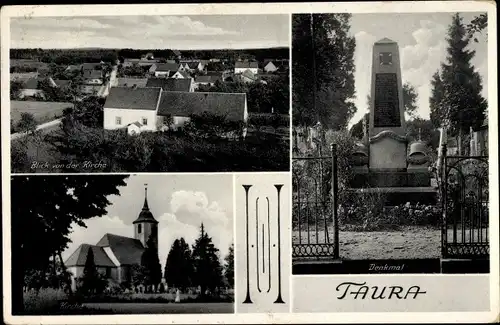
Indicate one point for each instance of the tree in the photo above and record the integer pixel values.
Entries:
(207, 267)
(15, 89)
(91, 281)
(438, 113)
(323, 70)
(138, 274)
(151, 263)
(229, 267)
(422, 129)
(462, 100)
(179, 266)
(46, 208)
(410, 99)
(477, 25)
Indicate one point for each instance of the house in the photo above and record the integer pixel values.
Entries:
(134, 128)
(163, 69)
(249, 77)
(147, 56)
(72, 68)
(180, 75)
(171, 84)
(192, 66)
(115, 255)
(177, 54)
(181, 105)
(207, 80)
(242, 66)
(92, 77)
(90, 66)
(139, 62)
(125, 105)
(62, 84)
(269, 66)
(23, 76)
(131, 82)
(31, 88)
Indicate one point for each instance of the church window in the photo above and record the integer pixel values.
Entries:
(139, 228)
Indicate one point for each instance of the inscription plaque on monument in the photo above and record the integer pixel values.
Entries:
(386, 106)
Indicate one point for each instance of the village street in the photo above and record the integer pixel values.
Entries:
(45, 127)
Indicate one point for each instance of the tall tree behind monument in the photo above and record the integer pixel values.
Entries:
(462, 105)
(322, 70)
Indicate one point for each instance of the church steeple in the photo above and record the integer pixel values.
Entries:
(146, 226)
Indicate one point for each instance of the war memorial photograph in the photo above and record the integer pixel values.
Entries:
(390, 143)
(196, 94)
(122, 244)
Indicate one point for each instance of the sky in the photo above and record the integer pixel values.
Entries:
(422, 47)
(152, 32)
(178, 202)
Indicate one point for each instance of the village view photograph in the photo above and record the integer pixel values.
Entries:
(122, 244)
(390, 143)
(200, 93)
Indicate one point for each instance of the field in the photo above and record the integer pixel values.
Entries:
(42, 111)
(55, 302)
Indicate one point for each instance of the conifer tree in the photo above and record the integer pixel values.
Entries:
(179, 266)
(151, 263)
(207, 267)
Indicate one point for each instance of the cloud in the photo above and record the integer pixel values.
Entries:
(141, 31)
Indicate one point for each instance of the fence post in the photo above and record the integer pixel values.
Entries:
(336, 252)
(444, 194)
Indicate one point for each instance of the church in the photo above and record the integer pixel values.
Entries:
(114, 255)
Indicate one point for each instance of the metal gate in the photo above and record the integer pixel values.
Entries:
(314, 219)
(465, 207)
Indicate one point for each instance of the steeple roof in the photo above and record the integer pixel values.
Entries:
(145, 215)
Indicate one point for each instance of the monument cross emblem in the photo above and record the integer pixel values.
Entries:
(386, 58)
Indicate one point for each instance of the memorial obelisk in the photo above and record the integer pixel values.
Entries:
(387, 122)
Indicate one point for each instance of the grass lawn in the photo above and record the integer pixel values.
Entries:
(42, 111)
(163, 308)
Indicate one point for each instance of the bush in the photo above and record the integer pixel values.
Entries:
(43, 301)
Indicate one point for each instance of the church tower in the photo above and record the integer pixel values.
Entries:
(146, 225)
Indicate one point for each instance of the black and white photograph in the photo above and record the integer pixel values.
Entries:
(390, 143)
(204, 93)
(122, 244)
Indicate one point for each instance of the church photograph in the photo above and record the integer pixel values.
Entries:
(122, 244)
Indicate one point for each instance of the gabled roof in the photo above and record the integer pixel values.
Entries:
(79, 257)
(385, 40)
(127, 250)
(92, 74)
(130, 82)
(133, 98)
(90, 66)
(184, 104)
(246, 65)
(136, 124)
(249, 74)
(31, 83)
(170, 84)
(176, 52)
(185, 74)
(167, 67)
(193, 65)
(62, 83)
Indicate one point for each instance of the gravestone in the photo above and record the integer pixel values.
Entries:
(387, 124)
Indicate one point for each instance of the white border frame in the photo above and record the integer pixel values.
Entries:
(254, 8)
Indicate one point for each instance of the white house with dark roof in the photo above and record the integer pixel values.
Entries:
(115, 255)
(269, 66)
(163, 69)
(125, 105)
(242, 66)
(150, 108)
